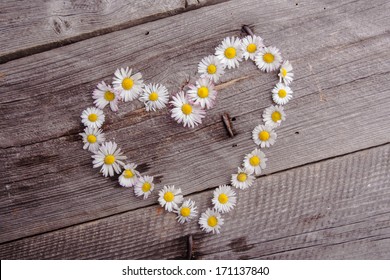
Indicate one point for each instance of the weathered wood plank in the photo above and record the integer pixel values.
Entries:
(333, 209)
(341, 103)
(51, 80)
(29, 27)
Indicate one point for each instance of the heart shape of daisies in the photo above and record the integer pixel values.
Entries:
(189, 108)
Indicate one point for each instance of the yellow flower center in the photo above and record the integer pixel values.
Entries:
(284, 72)
(92, 117)
(185, 211)
(268, 57)
(264, 135)
(251, 48)
(230, 52)
(153, 96)
(211, 69)
(109, 96)
(109, 159)
(254, 161)
(212, 221)
(91, 138)
(241, 177)
(186, 109)
(276, 116)
(169, 197)
(128, 174)
(127, 83)
(146, 187)
(223, 198)
(282, 93)
(203, 92)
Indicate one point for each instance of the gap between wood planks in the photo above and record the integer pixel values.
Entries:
(193, 193)
(189, 5)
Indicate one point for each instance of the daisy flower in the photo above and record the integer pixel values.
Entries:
(92, 117)
(211, 221)
(281, 94)
(229, 52)
(185, 112)
(155, 96)
(268, 59)
(109, 157)
(286, 75)
(224, 199)
(242, 180)
(186, 212)
(251, 45)
(144, 186)
(264, 136)
(203, 93)
(104, 95)
(92, 138)
(169, 198)
(211, 67)
(129, 175)
(255, 161)
(129, 86)
(273, 116)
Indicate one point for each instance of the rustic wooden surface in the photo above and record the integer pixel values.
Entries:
(325, 192)
(37, 26)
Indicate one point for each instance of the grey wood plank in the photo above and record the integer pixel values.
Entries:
(340, 104)
(29, 27)
(64, 73)
(334, 209)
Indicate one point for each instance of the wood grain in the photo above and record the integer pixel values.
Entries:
(29, 27)
(340, 107)
(333, 209)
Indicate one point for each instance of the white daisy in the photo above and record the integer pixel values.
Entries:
(255, 162)
(273, 116)
(169, 198)
(109, 157)
(104, 94)
(186, 212)
(211, 67)
(92, 117)
(268, 59)
(243, 179)
(155, 96)
(229, 52)
(144, 186)
(251, 45)
(264, 135)
(203, 93)
(281, 94)
(185, 112)
(129, 86)
(286, 75)
(92, 138)
(224, 199)
(129, 175)
(211, 221)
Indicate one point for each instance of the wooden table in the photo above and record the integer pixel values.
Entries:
(325, 193)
